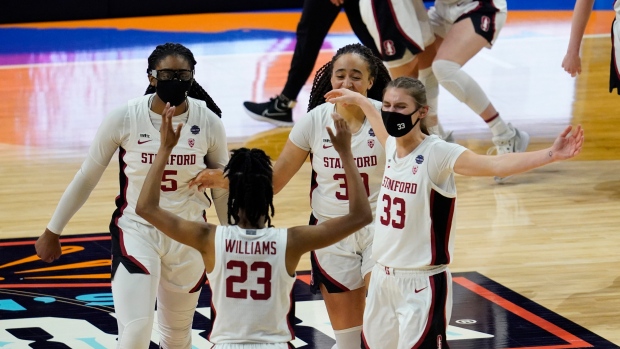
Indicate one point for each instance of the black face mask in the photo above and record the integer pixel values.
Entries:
(173, 91)
(397, 124)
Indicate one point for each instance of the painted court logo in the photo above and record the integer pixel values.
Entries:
(68, 304)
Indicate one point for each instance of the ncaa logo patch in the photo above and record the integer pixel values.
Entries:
(191, 142)
(195, 129)
(485, 23)
(419, 159)
(389, 48)
(371, 132)
(371, 143)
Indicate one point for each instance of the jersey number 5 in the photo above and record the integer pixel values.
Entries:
(168, 183)
(386, 219)
(242, 293)
(345, 195)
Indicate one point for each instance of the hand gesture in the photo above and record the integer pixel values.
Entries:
(343, 95)
(48, 246)
(169, 137)
(209, 178)
(572, 64)
(342, 139)
(568, 144)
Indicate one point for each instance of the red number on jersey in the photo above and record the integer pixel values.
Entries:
(345, 196)
(264, 281)
(399, 205)
(170, 183)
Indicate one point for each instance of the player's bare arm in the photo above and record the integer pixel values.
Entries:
(302, 239)
(343, 95)
(191, 233)
(567, 145)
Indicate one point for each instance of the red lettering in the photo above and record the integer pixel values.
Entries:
(230, 245)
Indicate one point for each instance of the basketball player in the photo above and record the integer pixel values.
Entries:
(317, 16)
(250, 264)
(146, 264)
(341, 271)
(572, 61)
(410, 292)
(463, 28)
(402, 31)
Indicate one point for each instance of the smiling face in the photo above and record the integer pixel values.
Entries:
(352, 72)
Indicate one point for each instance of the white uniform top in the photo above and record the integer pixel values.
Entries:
(416, 207)
(328, 193)
(251, 289)
(134, 130)
(617, 9)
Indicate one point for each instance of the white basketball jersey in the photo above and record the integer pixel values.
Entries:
(414, 220)
(251, 289)
(617, 9)
(186, 160)
(328, 191)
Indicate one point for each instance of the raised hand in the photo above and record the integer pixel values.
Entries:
(568, 144)
(343, 95)
(342, 138)
(169, 136)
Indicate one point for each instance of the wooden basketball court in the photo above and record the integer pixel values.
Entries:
(551, 235)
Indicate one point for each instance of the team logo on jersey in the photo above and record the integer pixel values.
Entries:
(191, 142)
(414, 170)
(195, 129)
(419, 159)
(389, 48)
(485, 23)
(371, 132)
(371, 143)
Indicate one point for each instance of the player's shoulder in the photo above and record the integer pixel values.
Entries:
(376, 103)
(201, 107)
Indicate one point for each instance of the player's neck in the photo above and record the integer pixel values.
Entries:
(353, 115)
(246, 224)
(157, 106)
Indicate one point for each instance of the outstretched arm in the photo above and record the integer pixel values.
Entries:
(567, 145)
(343, 95)
(581, 14)
(311, 237)
(191, 233)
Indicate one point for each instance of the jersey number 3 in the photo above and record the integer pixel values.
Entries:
(398, 221)
(242, 293)
(345, 195)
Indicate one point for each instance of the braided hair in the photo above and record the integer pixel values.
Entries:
(196, 91)
(250, 177)
(414, 88)
(322, 80)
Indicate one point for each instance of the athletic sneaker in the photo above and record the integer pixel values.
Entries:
(277, 111)
(512, 141)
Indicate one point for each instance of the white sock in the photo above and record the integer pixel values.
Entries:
(497, 126)
(350, 338)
